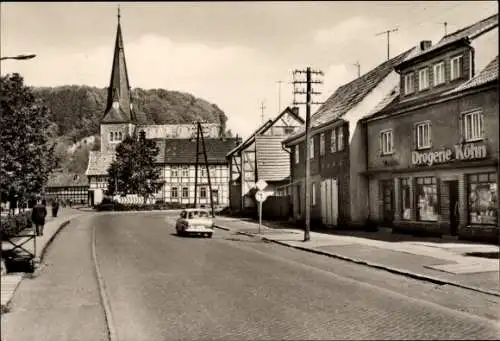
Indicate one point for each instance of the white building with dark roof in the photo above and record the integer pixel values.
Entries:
(121, 119)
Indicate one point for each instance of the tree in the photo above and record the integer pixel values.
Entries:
(26, 157)
(134, 170)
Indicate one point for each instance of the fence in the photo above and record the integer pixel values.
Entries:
(276, 208)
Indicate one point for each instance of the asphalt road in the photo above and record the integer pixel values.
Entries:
(232, 287)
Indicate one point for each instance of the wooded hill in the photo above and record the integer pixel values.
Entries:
(75, 112)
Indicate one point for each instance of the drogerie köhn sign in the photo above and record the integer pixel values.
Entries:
(460, 152)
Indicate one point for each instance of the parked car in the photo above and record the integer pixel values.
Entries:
(195, 221)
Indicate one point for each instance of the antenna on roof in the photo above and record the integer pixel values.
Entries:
(262, 107)
(445, 28)
(119, 16)
(388, 32)
(359, 68)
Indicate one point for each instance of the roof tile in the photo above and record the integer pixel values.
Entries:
(350, 94)
(99, 163)
(66, 180)
(183, 151)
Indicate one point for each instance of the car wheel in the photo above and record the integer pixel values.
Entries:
(209, 235)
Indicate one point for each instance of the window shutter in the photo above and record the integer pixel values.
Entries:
(430, 134)
(461, 127)
(380, 144)
(481, 120)
(415, 136)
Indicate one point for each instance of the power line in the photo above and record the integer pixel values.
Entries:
(309, 92)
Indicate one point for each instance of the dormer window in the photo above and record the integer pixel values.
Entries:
(438, 73)
(423, 79)
(456, 67)
(116, 105)
(409, 83)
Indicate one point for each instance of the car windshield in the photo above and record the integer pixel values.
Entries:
(197, 214)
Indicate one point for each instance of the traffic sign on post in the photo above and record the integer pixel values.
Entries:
(261, 184)
(261, 196)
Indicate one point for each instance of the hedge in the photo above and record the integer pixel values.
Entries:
(12, 225)
(115, 206)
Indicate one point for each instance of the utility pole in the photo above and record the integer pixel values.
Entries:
(279, 95)
(359, 68)
(199, 137)
(262, 107)
(388, 32)
(309, 92)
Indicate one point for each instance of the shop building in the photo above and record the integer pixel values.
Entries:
(337, 149)
(432, 160)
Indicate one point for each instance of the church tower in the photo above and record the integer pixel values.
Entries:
(119, 117)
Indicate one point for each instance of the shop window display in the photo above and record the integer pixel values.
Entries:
(483, 199)
(427, 199)
(405, 199)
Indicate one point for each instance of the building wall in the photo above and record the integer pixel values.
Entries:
(444, 118)
(219, 178)
(445, 134)
(98, 182)
(108, 146)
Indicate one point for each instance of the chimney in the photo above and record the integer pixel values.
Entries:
(295, 110)
(425, 45)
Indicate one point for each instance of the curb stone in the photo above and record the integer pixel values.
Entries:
(5, 306)
(378, 266)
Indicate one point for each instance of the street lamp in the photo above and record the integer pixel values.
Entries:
(20, 57)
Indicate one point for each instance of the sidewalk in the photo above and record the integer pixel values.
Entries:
(428, 259)
(10, 282)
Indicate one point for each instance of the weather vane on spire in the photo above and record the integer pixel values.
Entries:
(119, 14)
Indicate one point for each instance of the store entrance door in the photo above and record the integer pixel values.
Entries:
(387, 187)
(454, 212)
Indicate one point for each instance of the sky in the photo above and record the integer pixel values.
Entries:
(233, 54)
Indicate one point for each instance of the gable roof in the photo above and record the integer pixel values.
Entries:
(464, 34)
(273, 163)
(350, 94)
(471, 31)
(99, 163)
(183, 151)
(263, 128)
(66, 180)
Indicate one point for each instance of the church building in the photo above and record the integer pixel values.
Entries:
(176, 142)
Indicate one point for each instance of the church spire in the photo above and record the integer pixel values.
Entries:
(119, 105)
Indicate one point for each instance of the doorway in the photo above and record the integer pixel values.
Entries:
(453, 206)
(387, 187)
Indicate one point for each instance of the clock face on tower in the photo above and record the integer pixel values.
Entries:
(116, 105)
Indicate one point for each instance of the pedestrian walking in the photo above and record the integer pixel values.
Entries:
(38, 215)
(55, 207)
